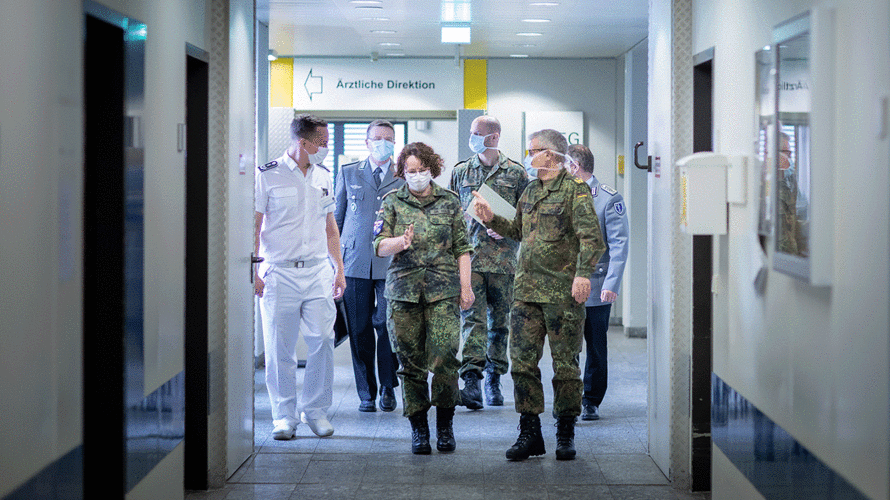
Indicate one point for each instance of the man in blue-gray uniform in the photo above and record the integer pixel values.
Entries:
(604, 282)
(360, 188)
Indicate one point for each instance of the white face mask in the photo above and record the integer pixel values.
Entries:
(418, 181)
(477, 143)
(382, 149)
(319, 156)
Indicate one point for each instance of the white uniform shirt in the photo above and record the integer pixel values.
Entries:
(294, 209)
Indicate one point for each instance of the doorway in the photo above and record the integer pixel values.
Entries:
(104, 281)
(197, 382)
(702, 271)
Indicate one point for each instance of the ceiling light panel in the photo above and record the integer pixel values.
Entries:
(457, 11)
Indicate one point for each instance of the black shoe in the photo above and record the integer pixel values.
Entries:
(590, 412)
(387, 399)
(530, 442)
(444, 429)
(493, 390)
(367, 406)
(471, 395)
(565, 438)
(420, 434)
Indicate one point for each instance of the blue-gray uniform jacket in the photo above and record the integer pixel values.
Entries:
(612, 212)
(358, 200)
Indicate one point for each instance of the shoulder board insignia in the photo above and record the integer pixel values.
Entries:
(391, 191)
(595, 190)
(609, 189)
(450, 191)
(326, 169)
(268, 166)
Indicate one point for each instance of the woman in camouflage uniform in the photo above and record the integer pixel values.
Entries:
(422, 226)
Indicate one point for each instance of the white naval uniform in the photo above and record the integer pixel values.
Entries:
(295, 209)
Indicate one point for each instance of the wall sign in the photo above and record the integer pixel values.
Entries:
(569, 123)
(359, 84)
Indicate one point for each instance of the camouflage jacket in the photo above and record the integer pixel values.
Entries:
(428, 268)
(560, 235)
(507, 179)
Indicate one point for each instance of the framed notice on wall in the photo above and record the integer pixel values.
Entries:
(569, 123)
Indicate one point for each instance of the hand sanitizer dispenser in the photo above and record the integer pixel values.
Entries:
(703, 193)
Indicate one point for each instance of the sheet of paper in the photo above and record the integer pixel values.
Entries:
(499, 205)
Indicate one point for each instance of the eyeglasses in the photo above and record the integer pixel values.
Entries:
(536, 151)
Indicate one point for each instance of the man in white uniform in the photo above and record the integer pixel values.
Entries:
(294, 203)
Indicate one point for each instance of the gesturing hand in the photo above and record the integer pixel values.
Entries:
(483, 209)
(407, 237)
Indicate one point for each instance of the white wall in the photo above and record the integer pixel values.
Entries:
(814, 360)
(41, 153)
(520, 85)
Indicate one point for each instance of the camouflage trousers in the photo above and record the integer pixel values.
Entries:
(561, 323)
(485, 326)
(425, 337)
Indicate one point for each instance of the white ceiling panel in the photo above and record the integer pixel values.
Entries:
(340, 28)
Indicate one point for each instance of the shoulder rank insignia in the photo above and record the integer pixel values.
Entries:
(609, 189)
(268, 166)
(578, 180)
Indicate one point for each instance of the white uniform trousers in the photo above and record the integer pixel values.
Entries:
(292, 296)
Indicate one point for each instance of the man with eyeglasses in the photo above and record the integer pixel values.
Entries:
(297, 236)
(484, 327)
(360, 188)
(561, 242)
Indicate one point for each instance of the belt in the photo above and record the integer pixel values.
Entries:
(299, 263)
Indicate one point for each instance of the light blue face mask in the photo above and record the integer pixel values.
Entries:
(533, 172)
(382, 149)
(477, 143)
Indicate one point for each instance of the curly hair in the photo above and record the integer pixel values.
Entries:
(428, 158)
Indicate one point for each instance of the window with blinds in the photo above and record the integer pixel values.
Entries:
(346, 143)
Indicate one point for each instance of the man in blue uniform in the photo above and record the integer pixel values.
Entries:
(360, 188)
(604, 282)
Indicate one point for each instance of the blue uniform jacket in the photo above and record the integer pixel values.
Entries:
(612, 213)
(358, 201)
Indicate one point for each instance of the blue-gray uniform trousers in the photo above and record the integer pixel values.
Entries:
(596, 368)
(364, 318)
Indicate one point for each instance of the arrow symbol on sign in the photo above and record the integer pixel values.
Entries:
(312, 83)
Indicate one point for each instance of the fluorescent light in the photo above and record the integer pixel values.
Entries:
(383, 32)
(456, 34)
(395, 54)
(518, 55)
(456, 11)
(366, 2)
(536, 20)
(544, 4)
(528, 34)
(375, 19)
(525, 45)
(390, 44)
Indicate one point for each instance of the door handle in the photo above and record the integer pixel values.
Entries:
(648, 166)
(254, 260)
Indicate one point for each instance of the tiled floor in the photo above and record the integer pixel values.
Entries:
(369, 455)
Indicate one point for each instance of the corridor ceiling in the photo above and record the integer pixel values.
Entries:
(411, 28)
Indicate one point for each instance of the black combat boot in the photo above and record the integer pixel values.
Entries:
(565, 438)
(493, 390)
(471, 394)
(444, 429)
(420, 434)
(530, 441)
